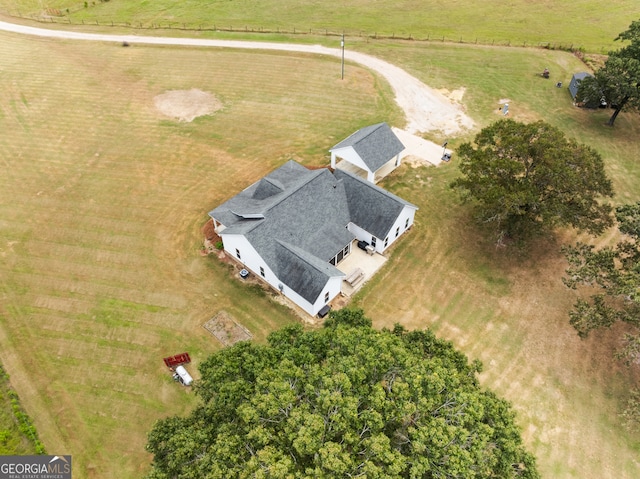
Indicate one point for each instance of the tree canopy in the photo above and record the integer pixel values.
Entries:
(615, 274)
(529, 178)
(618, 81)
(342, 401)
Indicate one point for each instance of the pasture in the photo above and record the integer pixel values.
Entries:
(103, 198)
(501, 22)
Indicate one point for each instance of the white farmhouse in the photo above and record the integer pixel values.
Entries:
(295, 225)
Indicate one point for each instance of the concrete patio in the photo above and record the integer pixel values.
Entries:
(368, 264)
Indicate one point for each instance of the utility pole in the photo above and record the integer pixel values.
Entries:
(342, 46)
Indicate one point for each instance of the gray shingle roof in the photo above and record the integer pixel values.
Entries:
(375, 144)
(303, 272)
(297, 219)
(372, 208)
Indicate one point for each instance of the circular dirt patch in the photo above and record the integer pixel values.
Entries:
(185, 105)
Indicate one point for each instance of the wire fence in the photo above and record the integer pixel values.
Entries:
(54, 16)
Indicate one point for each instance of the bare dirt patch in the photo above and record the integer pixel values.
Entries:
(226, 329)
(455, 95)
(187, 105)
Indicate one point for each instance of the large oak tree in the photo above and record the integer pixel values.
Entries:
(342, 401)
(526, 179)
(618, 81)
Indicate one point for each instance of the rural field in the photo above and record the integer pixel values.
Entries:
(584, 24)
(103, 199)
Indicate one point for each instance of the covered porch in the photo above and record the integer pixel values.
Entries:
(378, 175)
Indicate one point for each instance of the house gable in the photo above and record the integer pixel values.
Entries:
(303, 272)
(375, 145)
(373, 209)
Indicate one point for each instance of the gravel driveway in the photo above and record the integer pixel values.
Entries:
(426, 109)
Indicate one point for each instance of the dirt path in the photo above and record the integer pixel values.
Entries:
(425, 108)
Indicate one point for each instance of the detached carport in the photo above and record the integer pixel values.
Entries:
(375, 149)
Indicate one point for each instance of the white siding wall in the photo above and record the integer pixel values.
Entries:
(361, 234)
(349, 154)
(407, 213)
(249, 257)
(333, 287)
(252, 261)
(364, 236)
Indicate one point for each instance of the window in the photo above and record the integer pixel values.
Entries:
(326, 297)
(238, 253)
(373, 241)
(386, 242)
(261, 271)
(406, 224)
(397, 231)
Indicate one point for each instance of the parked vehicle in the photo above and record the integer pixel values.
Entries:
(182, 376)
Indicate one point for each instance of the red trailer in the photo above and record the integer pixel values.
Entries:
(174, 361)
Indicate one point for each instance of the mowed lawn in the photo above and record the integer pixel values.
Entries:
(510, 309)
(101, 206)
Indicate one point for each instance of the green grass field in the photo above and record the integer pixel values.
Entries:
(103, 198)
(586, 24)
(14, 437)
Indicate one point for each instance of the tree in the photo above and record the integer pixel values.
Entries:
(343, 401)
(615, 273)
(529, 178)
(618, 81)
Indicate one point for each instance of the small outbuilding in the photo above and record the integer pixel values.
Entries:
(574, 86)
(576, 79)
(370, 149)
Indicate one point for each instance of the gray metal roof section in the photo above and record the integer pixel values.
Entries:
(375, 144)
(371, 207)
(575, 82)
